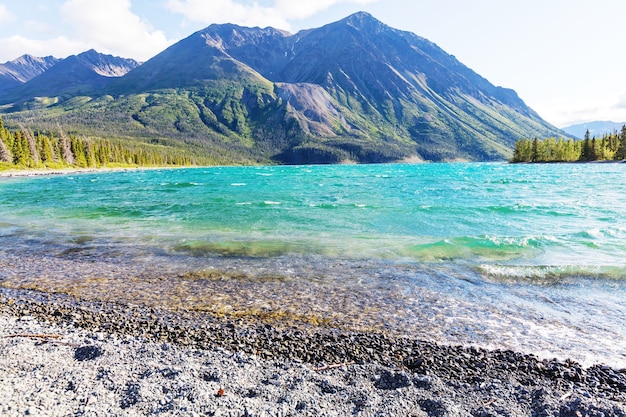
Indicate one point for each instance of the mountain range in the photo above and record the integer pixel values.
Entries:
(596, 128)
(354, 90)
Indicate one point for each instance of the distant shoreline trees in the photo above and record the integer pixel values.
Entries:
(23, 149)
(610, 147)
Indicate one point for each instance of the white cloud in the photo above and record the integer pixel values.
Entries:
(233, 11)
(228, 11)
(15, 46)
(5, 14)
(111, 27)
(621, 102)
(306, 8)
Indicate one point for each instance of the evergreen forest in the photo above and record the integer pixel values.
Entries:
(24, 149)
(609, 147)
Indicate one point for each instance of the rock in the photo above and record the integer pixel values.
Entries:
(87, 353)
(130, 396)
(392, 380)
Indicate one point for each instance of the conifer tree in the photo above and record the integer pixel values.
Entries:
(585, 154)
(620, 155)
(20, 150)
(535, 155)
(32, 144)
(45, 149)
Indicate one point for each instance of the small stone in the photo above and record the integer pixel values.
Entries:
(89, 352)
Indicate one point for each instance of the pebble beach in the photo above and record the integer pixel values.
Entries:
(60, 356)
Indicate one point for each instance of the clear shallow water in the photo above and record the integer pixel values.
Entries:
(531, 257)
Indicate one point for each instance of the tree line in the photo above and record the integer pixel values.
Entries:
(610, 147)
(21, 148)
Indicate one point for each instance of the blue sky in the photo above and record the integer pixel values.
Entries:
(565, 58)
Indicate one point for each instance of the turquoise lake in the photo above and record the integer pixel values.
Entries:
(527, 257)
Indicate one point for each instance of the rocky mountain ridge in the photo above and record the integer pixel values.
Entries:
(80, 74)
(23, 69)
(354, 90)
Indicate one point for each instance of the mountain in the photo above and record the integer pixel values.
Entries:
(354, 90)
(81, 74)
(17, 72)
(597, 128)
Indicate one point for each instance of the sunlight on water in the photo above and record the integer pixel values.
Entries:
(493, 254)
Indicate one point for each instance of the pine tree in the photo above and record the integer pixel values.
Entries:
(78, 150)
(20, 150)
(535, 150)
(32, 144)
(585, 154)
(45, 149)
(522, 151)
(594, 154)
(620, 155)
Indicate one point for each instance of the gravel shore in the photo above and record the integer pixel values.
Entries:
(60, 356)
(10, 173)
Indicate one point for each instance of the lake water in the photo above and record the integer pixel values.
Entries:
(527, 257)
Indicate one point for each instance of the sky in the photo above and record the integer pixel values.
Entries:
(565, 58)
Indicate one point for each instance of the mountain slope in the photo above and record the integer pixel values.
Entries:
(81, 74)
(597, 128)
(351, 90)
(19, 71)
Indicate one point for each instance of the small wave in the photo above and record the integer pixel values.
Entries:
(598, 233)
(238, 184)
(176, 185)
(549, 274)
(487, 248)
(328, 206)
(272, 203)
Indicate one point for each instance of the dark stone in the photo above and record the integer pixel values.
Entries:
(392, 380)
(251, 393)
(169, 373)
(360, 401)
(422, 381)
(328, 388)
(130, 396)
(71, 386)
(433, 408)
(87, 353)
(211, 376)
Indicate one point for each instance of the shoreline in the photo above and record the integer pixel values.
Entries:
(115, 355)
(14, 173)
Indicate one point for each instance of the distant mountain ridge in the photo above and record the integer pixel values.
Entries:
(23, 69)
(81, 74)
(354, 90)
(596, 128)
